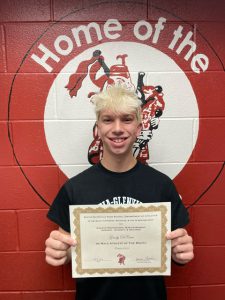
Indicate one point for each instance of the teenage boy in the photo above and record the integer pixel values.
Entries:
(118, 177)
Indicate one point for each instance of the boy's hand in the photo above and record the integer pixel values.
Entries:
(182, 246)
(57, 247)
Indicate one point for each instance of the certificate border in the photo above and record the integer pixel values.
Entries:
(130, 209)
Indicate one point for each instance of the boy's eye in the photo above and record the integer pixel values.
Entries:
(107, 120)
(128, 119)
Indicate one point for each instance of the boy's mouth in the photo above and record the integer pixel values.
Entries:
(118, 140)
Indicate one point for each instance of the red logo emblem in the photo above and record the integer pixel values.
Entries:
(121, 259)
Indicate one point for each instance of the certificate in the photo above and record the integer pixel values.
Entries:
(120, 240)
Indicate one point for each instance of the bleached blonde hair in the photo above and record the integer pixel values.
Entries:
(117, 99)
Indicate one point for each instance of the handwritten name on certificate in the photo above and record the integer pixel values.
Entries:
(120, 240)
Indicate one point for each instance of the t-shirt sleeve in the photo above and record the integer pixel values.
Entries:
(179, 214)
(59, 210)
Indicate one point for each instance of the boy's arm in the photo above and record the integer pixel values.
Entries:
(57, 251)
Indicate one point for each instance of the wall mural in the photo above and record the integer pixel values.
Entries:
(161, 61)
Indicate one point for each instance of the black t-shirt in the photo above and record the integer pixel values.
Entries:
(97, 185)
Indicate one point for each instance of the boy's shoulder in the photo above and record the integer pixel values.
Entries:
(84, 175)
(154, 173)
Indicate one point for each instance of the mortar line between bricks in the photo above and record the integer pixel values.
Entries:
(4, 48)
(35, 292)
(210, 246)
(189, 292)
(52, 10)
(18, 232)
(102, 22)
(32, 209)
(148, 9)
(210, 285)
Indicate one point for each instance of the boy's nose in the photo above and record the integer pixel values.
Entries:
(117, 126)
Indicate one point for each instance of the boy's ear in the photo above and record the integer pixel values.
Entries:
(97, 129)
(139, 129)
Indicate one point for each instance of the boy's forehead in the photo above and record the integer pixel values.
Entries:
(109, 112)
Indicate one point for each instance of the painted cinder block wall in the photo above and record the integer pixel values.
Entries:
(24, 274)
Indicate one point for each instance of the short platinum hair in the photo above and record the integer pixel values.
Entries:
(118, 99)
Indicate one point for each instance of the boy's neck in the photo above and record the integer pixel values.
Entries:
(119, 164)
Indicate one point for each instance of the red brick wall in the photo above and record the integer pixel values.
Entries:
(29, 174)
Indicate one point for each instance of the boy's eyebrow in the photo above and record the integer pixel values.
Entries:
(128, 115)
(106, 115)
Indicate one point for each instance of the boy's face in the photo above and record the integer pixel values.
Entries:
(118, 132)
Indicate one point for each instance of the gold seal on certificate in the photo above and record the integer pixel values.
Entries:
(120, 240)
